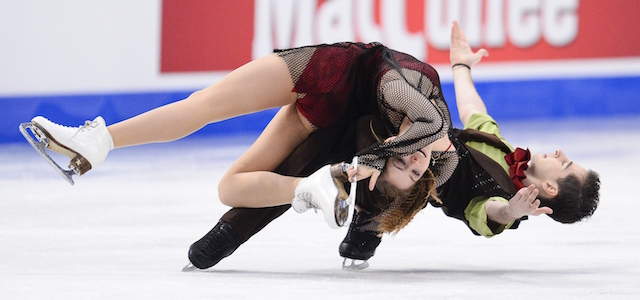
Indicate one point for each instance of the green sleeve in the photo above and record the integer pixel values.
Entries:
(476, 215)
(485, 123)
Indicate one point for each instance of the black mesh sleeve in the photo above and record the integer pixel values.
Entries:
(399, 97)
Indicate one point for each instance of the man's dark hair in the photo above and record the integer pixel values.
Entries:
(575, 200)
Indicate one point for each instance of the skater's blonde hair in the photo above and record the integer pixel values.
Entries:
(405, 204)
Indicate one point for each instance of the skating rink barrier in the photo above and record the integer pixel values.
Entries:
(610, 97)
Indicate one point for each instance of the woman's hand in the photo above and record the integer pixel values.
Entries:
(364, 172)
(459, 50)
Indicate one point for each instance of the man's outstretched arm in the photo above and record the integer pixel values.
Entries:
(524, 203)
(467, 99)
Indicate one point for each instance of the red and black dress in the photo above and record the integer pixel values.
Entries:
(349, 80)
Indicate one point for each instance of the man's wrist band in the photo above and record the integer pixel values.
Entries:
(462, 65)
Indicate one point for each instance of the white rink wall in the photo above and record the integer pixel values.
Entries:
(75, 46)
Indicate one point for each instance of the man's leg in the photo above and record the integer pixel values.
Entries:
(234, 228)
(239, 224)
(361, 240)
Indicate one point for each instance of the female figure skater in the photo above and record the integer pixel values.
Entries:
(316, 87)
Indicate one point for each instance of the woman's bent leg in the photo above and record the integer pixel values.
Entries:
(258, 85)
(250, 181)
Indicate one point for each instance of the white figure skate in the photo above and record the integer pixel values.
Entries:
(322, 190)
(87, 146)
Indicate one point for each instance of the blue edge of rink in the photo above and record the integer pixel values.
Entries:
(506, 101)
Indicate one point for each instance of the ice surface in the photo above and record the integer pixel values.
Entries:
(122, 232)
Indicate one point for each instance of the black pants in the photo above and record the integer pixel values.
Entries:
(322, 147)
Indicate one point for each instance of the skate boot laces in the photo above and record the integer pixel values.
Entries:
(88, 125)
(310, 201)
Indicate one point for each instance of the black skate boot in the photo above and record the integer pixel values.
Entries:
(359, 244)
(219, 243)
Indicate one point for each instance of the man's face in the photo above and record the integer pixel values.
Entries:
(403, 172)
(554, 166)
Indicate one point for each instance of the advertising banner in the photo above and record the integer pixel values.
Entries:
(222, 35)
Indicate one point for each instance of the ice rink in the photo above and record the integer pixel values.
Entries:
(122, 232)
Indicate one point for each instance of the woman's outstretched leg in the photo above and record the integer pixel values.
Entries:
(258, 85)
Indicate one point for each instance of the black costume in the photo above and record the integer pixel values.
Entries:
(367, 71)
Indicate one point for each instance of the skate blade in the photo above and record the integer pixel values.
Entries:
(352, 192)
(345, 203)
(40, 143)
(341, 205)
(349, 264)
(189, 268)
(342, 213)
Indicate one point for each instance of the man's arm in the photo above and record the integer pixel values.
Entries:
(469, 102)
(467, 99)
(491, 216)
(524, 203)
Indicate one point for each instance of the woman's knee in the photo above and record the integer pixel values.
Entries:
(198, 106)
(226, 190)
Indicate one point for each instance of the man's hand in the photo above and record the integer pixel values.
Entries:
(459, 50)
(524, 203)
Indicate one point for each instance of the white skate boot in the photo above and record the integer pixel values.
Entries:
(87, 146)
(324, 191)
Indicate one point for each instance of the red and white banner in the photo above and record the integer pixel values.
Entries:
(204, 35)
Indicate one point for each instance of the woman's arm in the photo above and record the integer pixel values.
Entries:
(427, 123)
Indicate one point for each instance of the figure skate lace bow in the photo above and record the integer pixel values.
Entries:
(87, 146)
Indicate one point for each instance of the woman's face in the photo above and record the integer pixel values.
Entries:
(403, 172)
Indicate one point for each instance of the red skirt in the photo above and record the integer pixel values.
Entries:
(322, 77)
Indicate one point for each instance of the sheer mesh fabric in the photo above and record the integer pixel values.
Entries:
(443, 164)
(322, 79)
(299, 64)
(349, 80)
(408, 93)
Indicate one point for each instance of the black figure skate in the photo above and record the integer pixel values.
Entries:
(360, 244)
(217, 244)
